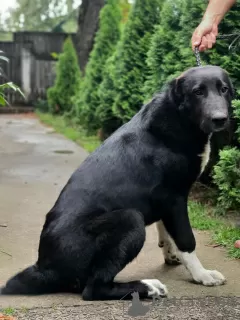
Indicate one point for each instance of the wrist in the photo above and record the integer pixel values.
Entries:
(212, 18)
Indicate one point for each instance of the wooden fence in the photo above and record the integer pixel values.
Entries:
(31, 64)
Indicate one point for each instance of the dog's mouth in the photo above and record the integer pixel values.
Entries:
(219, 124)
(215, 125)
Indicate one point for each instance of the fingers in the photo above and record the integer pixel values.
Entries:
(212, 38)
(207, 42)
(200, 40)
(204, 36)
(196, 39)
(215, 29)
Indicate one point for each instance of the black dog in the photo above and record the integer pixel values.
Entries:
(140, 175)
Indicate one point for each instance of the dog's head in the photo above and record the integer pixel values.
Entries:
(204, 94)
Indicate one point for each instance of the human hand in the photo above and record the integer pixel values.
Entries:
(204, 35)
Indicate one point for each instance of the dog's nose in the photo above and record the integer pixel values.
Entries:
(219, 121)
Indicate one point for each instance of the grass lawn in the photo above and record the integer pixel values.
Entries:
(202, 213)
(76, 134)
(8, 311)
(203, 217)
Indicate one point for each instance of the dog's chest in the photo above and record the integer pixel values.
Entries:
(205, 155)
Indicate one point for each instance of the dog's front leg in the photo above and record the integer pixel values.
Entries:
(168, 246)
(178, 226)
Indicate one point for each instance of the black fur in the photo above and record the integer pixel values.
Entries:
(141, 174)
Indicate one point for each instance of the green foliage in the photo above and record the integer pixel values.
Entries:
(67, 80)
(8, 85)
(107, 120)
(227, 178)
(131, 68)
(70, 130)
(226, 173)
(236, 112)
(9, 311)
(164, 58)
(221, 54)
(41, 105)
(192, 13)
(125, 7)
(3, 87)
(87, 101)
(170, 51)
(203, 217)
(42, 15)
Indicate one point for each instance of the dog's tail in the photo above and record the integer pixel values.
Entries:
(32, 281)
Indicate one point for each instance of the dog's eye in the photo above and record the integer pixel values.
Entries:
(198, 92)
(224, 89)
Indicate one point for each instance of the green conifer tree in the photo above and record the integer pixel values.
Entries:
(131, 68)
(220, 54)
(68, 78)
(108, 122)
(164, 59)
(191, 16)
(105, 42)
(225, 55)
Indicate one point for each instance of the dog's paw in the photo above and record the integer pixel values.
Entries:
(155, 288)
(170, 254)
(161, 243)
(210, 278)
(172, 260)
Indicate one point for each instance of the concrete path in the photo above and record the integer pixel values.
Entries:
(35, 163)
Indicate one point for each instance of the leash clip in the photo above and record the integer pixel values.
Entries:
(197, 55)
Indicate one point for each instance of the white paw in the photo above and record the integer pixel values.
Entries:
(155, 288)
(210, 278)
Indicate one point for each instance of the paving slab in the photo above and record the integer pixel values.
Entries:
(35, 163)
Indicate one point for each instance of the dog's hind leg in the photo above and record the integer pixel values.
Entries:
(120, 236)
(168, 246)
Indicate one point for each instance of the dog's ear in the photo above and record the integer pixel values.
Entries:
(176, 90)
(233, 94)
(232, 89)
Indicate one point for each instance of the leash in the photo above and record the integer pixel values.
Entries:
(222, 36)
(197, 56)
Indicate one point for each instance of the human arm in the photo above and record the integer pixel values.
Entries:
(205, 34)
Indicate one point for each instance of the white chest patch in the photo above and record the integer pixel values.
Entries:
(205, 155)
